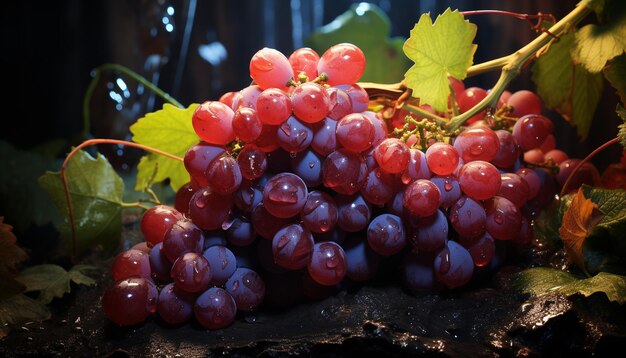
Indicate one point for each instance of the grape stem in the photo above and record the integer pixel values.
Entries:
(512, 64)
(130, 73)
(582, 162)
(68, 198)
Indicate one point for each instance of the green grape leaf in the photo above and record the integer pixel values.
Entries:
(543, 280)
(621, 112)
(368, 27)
(78, 275)
(19, 309)
(50, 280)
(170, 130)
(615, 73)
(598, 43)
(96, 194)
(23, 202)
(567, 87)
(439, 50)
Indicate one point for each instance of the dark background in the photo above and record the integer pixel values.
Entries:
(50, 48)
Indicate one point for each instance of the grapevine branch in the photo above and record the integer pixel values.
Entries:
(68, 198)
(510, 66)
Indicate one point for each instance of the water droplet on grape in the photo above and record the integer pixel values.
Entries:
(447, 186)
(311, 165)
(498, 218)
(200, 204)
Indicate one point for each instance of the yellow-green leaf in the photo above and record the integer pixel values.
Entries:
(439, 50)
(567, 87)
(78, 276)
(544, 280)
(96, 193)
(169, 130)
(595, 45)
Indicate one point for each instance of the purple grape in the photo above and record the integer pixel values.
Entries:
(468, 217)
(308, 166)
(183, 237)
(292, 247)
(385, 235)
(222, 262)
(431, 232)
(241, 233)
(324, 137)
(453, 265)
(247, 288)
(175, 306)
(320, 213)
(159, 263)
(284, 195)
(362, 262)
(354, 212)
(293, 135)
(191, 272)
(344, 171)
(449, 189)
(328, 263)
(209, 209)
(215, 308)
(419, 275)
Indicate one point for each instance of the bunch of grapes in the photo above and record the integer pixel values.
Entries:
(297, 167)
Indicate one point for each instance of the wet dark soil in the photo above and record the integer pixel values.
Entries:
(486, 319)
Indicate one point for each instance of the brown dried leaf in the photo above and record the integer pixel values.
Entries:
(578, 221)
(11, 255)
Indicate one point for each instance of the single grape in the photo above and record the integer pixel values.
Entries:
(175, 306)
(227, 98)
(247, 97)
(182, 197)
(241, 233)
(361, 261)
(224, 175)
(524, 102)
(556, 156)
(340, 103)
(209, 209)
(534, 156)
(320, 212)
(292, 247)
(222, 262)
(479, 180)
(212, 122)
(252, 162)
(156, 221)
(514, 188)
(532, 179)
(503, 218)
(304, 60)
(273, 106)
(468, 99)
(191, 272)
(417, 168)
(293, 135)
(131, 263)
(160, 265)
(214, 237)
(270, 68)
(378, 187)
(385, 235)
(248, 195)
(482, 248)
(311, 102)
(215, 308)
(431, 233)
(477, 143)
(344, 171)
(343, 63)
(453, 265)
(327, 265)
(531, 130)
(324, 138)
(284, 195)
(130, 301)
(355, 132)
(247, 288)
(392, 155)
(586, 174)
(449, 188)
(246, 124)
(468, 217)
(421, 198)
(508, 150)
(308, 166)
(442, 158)
(354, 212)
(183, 237)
